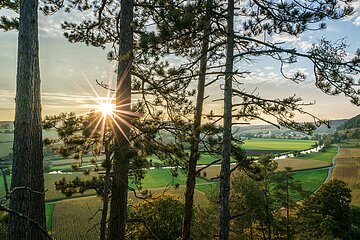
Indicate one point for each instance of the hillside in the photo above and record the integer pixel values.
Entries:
(269, 129)
(351, 123)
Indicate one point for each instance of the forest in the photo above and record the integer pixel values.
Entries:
(155, 158)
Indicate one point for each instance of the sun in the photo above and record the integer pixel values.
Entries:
(106, 108)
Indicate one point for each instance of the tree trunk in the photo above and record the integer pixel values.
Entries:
(118, 206)
(226, 151)
(104, 213)
(27, 168)
(37, 207)
(194, 148)
(287, 207)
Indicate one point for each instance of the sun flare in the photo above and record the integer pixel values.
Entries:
(106, 108)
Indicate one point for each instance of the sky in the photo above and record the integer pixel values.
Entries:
(69, 71)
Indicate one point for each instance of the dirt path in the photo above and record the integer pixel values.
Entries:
(333, 163)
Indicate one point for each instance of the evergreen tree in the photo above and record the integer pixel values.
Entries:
(27, 185)
(327, 212)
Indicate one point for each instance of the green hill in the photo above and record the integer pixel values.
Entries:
(351, 123)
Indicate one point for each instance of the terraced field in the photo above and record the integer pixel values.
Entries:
(347, 168)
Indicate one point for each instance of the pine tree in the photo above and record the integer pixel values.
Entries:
(27, 184)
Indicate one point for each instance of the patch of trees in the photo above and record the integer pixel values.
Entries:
(340, 136)
(351, 123)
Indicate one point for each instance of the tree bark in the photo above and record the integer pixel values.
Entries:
(27, 168)
(226, 151)
(104, 213)
(194, 148)
(118, 206)
(37, 201)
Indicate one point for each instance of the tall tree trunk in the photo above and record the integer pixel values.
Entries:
(104, 213)
(226, 151)
(37, 201)
(27, 171)
(118, 211)
(194, 148)
(287, 207)
(194, 152)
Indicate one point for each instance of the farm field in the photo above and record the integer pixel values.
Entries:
(155, 178)
(300, 164)
(351, 143)
(51, 194)
(5, 148)
(254, 147)
(311, 179)
(71, 219)
(86, 207)
(49, 208)
(347, 169)
(304, 162)
(325, 156)
(277, 144)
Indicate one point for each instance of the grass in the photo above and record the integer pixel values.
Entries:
(325, 156)
(159, 178)
(6, 137)
(311, 179)
(351, 143)
(49, 208)
(155, 178)
(51, 194)
(206, 188)
(277, 144)
(207, 158)
(5, 148)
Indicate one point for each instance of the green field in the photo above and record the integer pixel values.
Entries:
(158, 178)
(326, 156)
(6, 137)
(351, 143)
(5, 148)
(277, 144)
(311, 179)
(49, 208)
(155, 178)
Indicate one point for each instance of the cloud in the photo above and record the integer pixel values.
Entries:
(355, 17)
(357, 21)
(293, 41)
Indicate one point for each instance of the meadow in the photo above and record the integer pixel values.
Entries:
(277, 144)
(325, 155)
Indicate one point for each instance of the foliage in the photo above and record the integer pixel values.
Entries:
(256, 202)
(327, 212)
(353, 122)
(6, 23)
(162, 215)
(3, 225)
